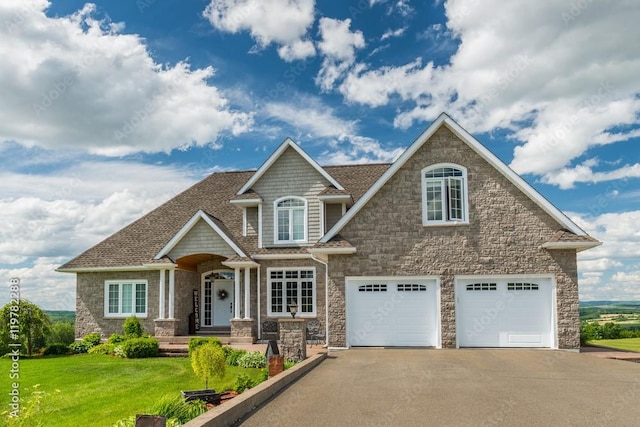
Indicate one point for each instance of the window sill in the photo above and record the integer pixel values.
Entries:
(288, 315)
(124, 316)
(445, 224)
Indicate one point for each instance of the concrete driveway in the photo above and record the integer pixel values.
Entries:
(420, 387)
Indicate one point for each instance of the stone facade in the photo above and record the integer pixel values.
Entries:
(504, 236)
(293, 339)
(243, 330)
(90, 304)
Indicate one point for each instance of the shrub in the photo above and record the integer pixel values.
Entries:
(105, 348)
(116, 339)
(132, 327)
(289, 364)
(590, 332)
(56, 349)
(118, 351)
(243, 382)
(80, 347)
(61, 332)
(611, 331)
(175, 408)
(253, 359)
(92, 338)
(197, 342)
(208, 361)
(138, 348)
(232, 355)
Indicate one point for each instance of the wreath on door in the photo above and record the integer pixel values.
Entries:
(222, 294)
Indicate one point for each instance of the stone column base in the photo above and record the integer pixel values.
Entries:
(243, 331)
(165, 327)
(293, 339)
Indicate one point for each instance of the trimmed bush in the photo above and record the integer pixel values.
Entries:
(92, 338)
(138, 348)
(105, 348)
(232, 355)
(197, 342)
(253, 359)
(56, 349)
(80, 347)
(132, 327)
(116, 339)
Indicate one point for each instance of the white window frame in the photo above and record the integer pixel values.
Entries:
(285, 312)
(120, 313)
(446, 191)
(276, 209)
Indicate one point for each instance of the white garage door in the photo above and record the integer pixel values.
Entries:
(398, 311)
(504, 312)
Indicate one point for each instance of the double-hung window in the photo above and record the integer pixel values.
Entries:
(290, 220)
(125, 298)
(444, 194)
(287, 286)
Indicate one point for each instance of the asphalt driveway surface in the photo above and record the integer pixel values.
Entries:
(421, 387)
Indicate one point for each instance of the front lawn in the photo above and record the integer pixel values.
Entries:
(99, 390)
(626, 344)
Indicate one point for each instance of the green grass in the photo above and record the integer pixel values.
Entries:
(626, 344)
(98, 390)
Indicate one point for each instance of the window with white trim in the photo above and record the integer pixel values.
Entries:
(444, 194)
(286, 286)
(290, 217)
(125, 298)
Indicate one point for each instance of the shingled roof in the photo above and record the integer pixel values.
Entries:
(139, 242)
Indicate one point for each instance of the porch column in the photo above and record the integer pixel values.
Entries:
(236, 294)
(161, 297)
(247, 293)
(172, 280)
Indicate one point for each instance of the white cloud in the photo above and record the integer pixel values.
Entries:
(338, 45)
(63, 214)
(527, 70)
(358, 150)
(597, 266)
(77, 82)
(311, 118)
(284, 22)
(393, 33)
(567, 177)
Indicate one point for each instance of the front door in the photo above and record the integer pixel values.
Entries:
(217, 301)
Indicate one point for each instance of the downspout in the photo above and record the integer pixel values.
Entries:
(326, 296)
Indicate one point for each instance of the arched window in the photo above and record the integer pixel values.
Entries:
(444, 194)
(290, 220)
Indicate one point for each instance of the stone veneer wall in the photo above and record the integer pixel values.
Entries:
(90, 302)
(297, 263)
(504, 236)
(185, 283)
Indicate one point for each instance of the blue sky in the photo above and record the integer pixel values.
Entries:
(108, 109)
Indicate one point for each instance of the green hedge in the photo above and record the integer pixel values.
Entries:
(197, 342)
(137, 348)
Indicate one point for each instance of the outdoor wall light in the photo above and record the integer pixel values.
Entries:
(293, 309)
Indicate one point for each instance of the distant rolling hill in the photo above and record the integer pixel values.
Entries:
(61, 316)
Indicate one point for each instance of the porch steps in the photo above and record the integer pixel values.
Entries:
(179, 346)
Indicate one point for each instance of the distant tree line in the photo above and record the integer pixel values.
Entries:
(608, 331)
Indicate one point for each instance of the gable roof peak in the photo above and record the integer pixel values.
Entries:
(287, 143)
(445, 120)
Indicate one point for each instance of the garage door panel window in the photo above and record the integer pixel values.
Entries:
(482, 287)
(291, 285)
(522, 286)
(411, 287)
(374, 287)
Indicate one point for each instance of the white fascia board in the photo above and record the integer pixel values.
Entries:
(333, 251)
(240, 264)
(246, 203)
(189, 225)
(335, 198)
(466, 137)
(288, 142)
(281, 256)
(579, 246)
(143, 267)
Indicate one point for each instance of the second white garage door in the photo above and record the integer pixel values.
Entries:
(397, 311)
(504, 312)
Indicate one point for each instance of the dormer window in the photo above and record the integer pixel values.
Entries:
(444, 195)
(290, 220)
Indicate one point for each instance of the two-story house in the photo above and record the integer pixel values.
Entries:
(445, 247)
